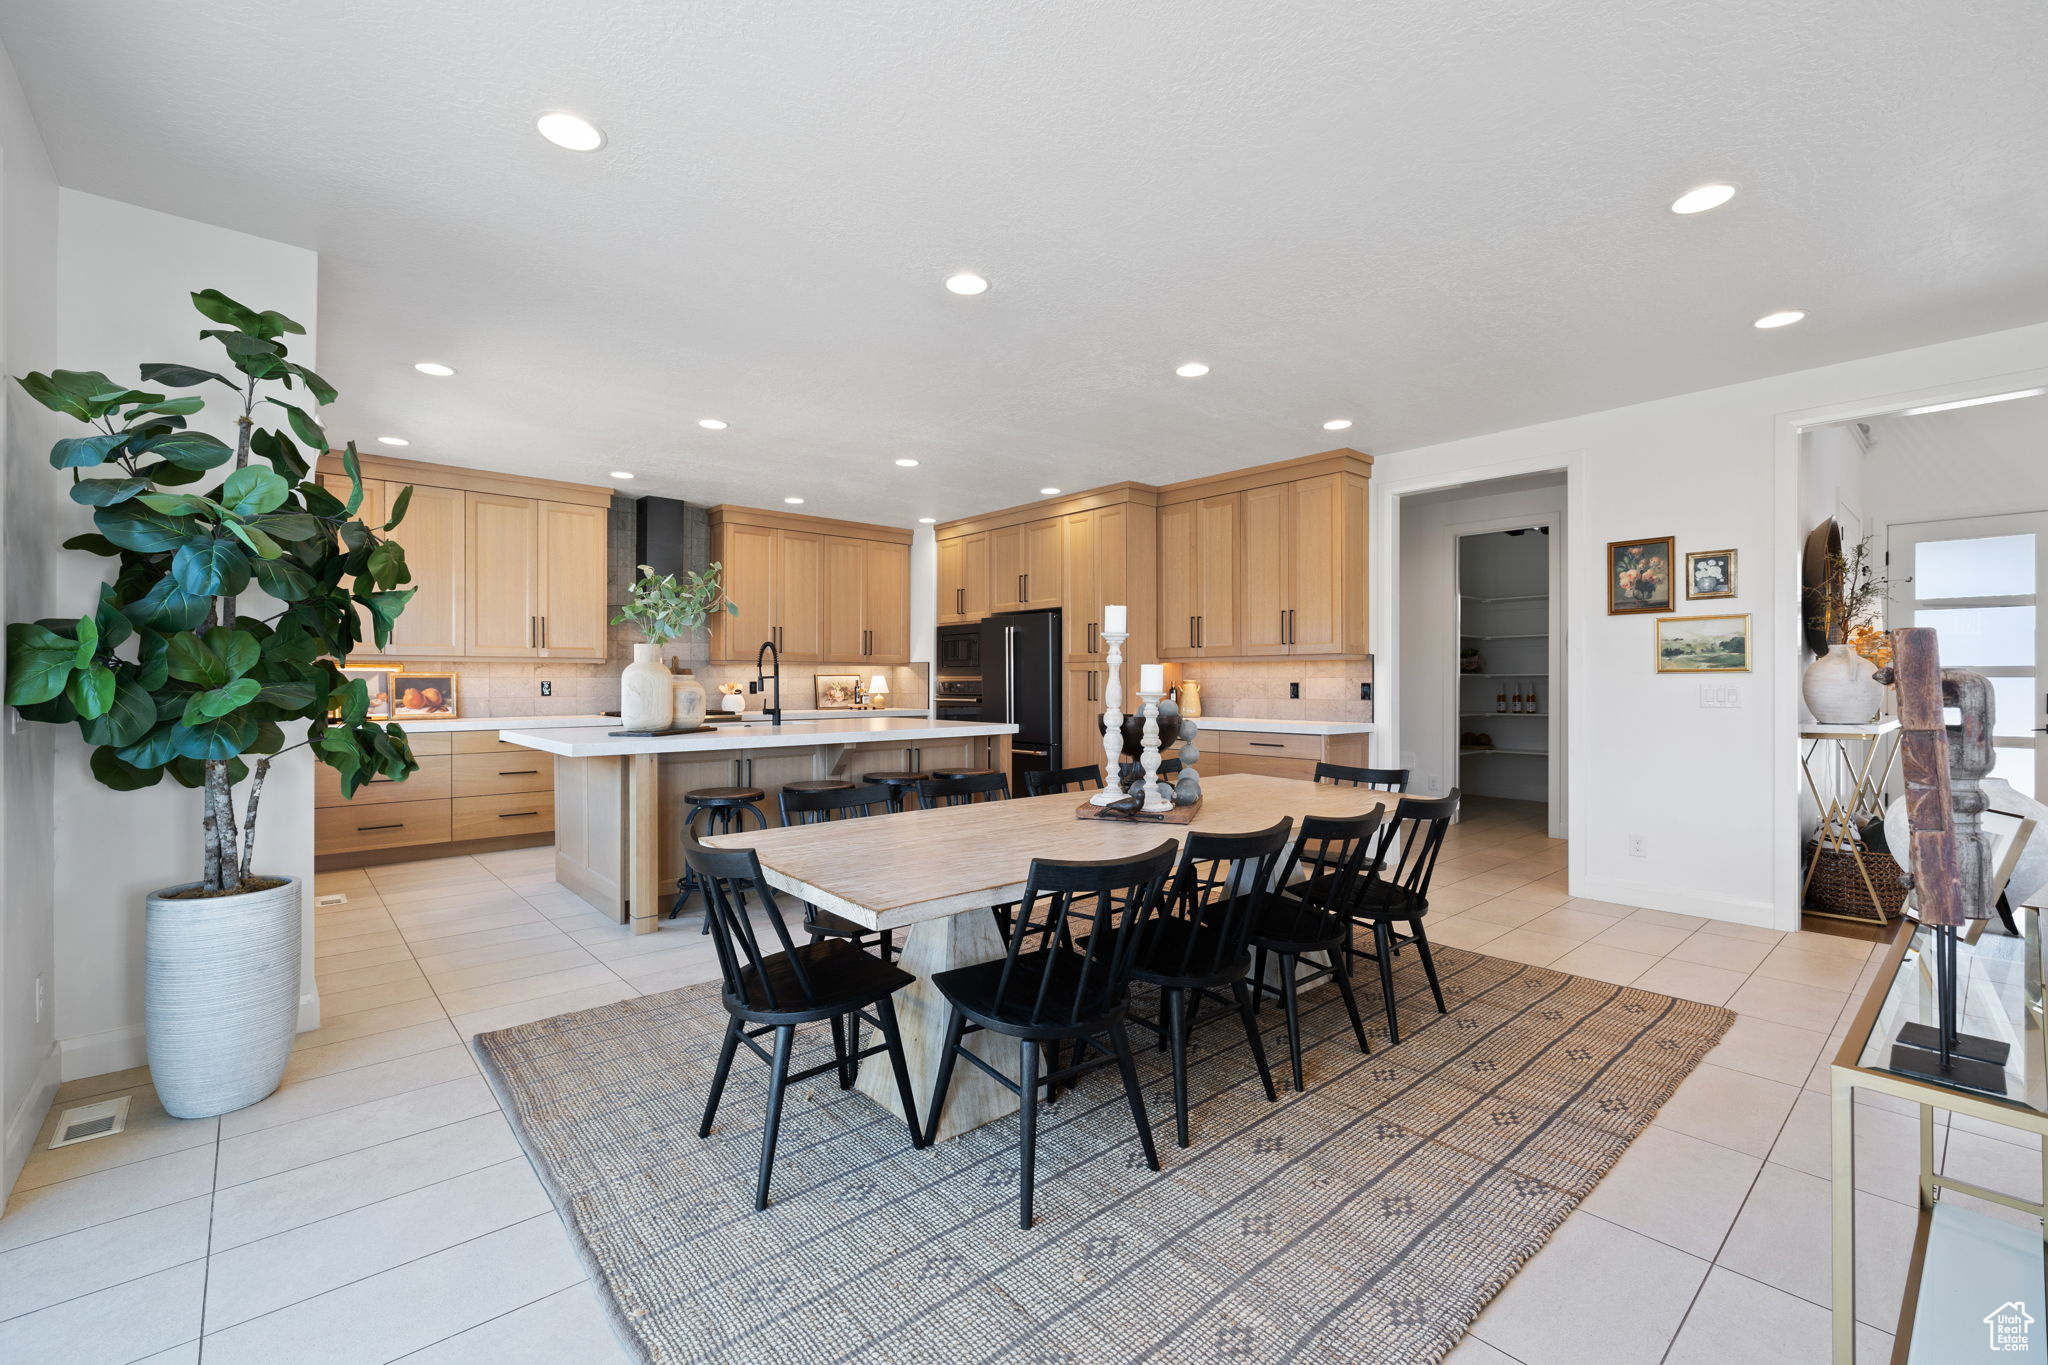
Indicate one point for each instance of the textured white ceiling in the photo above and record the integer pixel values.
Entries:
(1434, 218)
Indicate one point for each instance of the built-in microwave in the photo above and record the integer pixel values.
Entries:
(960, 651)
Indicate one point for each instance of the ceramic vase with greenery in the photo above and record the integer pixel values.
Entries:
(664, 608)
(181, 670)
(1840, 687)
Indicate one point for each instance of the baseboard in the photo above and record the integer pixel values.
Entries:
(27, 1120)
(1762, 914)
(95, 1054)
(309, 1011)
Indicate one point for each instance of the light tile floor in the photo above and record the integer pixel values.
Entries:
(377, 1207)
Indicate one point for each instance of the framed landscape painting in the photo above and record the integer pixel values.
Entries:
(1709, 573)
(1703, 644)
(1639, 575)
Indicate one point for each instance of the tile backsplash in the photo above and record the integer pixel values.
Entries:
(1258, 689)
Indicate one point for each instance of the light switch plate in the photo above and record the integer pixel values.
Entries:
(1720, 695)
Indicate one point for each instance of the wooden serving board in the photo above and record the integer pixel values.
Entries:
(1179, 815)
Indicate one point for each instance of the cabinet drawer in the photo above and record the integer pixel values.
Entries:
(430, 783)
(494, 817)
(1301, 769)
(424, 742)
(521, 770)
(1264, 745)
(349, 829)
(485, 742)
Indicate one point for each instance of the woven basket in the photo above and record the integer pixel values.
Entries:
(1837, 886)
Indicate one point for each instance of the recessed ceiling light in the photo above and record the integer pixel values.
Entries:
(906, 464)
(1702, 198)
(1048, 492)
(793, 501)
(1194, 369)
(567, 130)
(927, 521)
(967, 284)
(1973, 402)
(622, 473)
(393, 441)
(435, 368)
(1341, 424)
(711, 424)
(1783, 318)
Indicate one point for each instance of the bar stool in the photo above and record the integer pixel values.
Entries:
(716, 810)
(900, 784)
(966, 772)
(817, 784)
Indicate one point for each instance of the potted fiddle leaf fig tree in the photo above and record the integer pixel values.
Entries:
(181, 670)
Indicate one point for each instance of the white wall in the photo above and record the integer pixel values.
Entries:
(124, 278)
(1430, 525)
(924, 604)
(1967, 462)
(28, 319)
(1713, 792)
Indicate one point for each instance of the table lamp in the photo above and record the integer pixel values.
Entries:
(878, 692)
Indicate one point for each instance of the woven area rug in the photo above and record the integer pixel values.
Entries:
(1368, 1219)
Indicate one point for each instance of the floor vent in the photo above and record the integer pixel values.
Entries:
(88, 1121)
(323, 902)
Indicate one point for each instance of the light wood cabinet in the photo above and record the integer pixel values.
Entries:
(1081, 718)
(505, 567)
(823, 591)
(1200, 554)
(1024, 563)
(472, 789)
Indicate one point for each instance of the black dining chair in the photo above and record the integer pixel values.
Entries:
(817, 806)
(771, 991)
(1387, 896)
(1378, 779)
(1196, 947)
(1307, 914)
(1049, 781)
(937, 792)
(1064, 978)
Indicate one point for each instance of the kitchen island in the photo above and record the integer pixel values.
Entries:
(619, 811)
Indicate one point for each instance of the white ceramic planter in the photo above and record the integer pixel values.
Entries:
(645, 701)
(1841, 688)
(688, 700)
(221, 997)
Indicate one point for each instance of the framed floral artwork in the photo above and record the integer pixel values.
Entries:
(838, 691)
(1710, 573)
(1639, 575)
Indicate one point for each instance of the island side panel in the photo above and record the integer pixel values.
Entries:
(590, 831)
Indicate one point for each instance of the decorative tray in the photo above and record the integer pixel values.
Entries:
(1179, 815)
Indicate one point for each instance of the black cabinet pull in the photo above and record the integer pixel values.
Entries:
(365, 829)
(1191, 632)
(518, 814)
(1266, 744)
(519, 772)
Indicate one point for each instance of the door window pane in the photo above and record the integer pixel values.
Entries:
(1986, 566)
(2014, 698)
(2016, 765)
(1982, 637)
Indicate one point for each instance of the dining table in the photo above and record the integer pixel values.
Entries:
(936, 873)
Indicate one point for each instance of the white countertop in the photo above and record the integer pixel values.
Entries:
(595, 741)
(1241, 725)
(502, 722)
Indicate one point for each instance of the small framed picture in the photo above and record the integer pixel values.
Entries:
(378, 680)
(1703, 644)
(1639, 575)
(424, 696)
(1710, 573)
(838, 691)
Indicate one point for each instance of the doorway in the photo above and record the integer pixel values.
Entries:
(1504, 691)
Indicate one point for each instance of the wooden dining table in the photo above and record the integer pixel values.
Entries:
(935, 873)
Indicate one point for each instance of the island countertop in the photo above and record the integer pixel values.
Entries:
(598, 742)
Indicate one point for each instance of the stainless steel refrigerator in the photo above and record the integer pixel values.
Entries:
(1022, 660)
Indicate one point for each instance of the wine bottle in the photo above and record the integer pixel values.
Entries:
(1515, 702)
(1500, 703)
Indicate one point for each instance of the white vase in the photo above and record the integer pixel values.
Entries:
(645, 702)
(220, 996)
(687, 707)
(734, 703)
(1841, 688)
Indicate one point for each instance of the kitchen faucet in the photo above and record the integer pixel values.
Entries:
(769, 651)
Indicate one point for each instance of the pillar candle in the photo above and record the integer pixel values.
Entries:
(1113, 621)
(1152, 677)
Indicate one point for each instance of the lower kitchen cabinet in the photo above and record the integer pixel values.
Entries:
(472, 792)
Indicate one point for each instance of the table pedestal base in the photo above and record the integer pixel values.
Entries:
(930, 947)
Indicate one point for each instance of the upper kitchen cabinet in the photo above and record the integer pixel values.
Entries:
(1291, 541)
(1024, 563)
(964, 578)
(822, 591)
(505, 567)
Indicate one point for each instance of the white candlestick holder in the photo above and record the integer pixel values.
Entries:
(1112, 723)
(1158, 796)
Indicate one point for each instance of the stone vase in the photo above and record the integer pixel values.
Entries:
(1841, 688)
(687, 701)
(220, 996)
(645, 699)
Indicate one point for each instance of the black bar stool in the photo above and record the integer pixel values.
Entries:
(900, 785)
(817, 784)
(966, 772)
(716, 810)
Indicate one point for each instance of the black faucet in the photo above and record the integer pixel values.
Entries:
(768, 651)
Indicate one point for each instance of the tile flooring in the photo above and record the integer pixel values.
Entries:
(377, 1207)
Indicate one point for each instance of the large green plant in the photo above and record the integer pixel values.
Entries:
(164, 675)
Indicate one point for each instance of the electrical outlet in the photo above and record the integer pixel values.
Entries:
(1365, 691)
(1638, 845)
(1294, 691)
(547, 689)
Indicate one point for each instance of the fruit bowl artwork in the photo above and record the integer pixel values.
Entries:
(423, 696)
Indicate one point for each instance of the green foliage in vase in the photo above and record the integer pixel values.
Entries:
(162, 674)
(663, 607)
